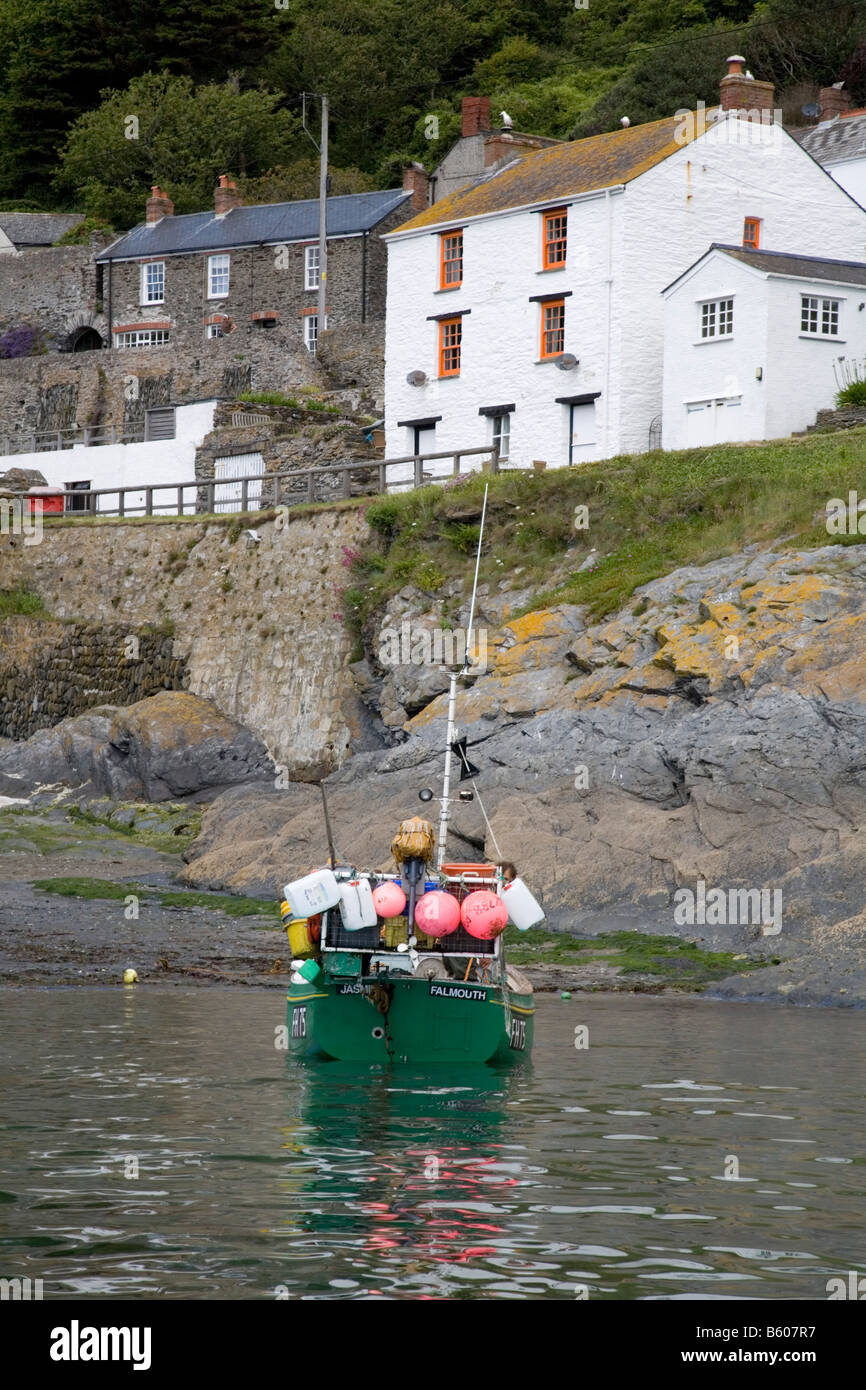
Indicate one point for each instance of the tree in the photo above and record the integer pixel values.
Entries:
(165, 130)
(57, 55)
(291, 182)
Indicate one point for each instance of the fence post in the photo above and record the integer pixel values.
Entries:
(457, 458)
(311, 493)
(383, 477)
(418, 463)
(121, 497)
(245, 492)
(33, 444)
(148, 501)
(494, 457)
(346, 491)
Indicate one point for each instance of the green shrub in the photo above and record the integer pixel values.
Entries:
(80, 235)
(20, 601)
(268, 398)
(852, 394)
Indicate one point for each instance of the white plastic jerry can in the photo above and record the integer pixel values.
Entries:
(356, 904)
(523, 910)
(314, 893)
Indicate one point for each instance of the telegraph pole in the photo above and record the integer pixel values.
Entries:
(323, 219)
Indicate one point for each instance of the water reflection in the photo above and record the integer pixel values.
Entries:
(609, 1168)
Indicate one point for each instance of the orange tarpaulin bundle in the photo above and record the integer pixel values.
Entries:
(414, 840)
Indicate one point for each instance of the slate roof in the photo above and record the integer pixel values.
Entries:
(38, 228)
(250, 226)
(579, 166)
(834, 141)
(788, 263)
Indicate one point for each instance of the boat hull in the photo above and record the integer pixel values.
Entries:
(410, 1020)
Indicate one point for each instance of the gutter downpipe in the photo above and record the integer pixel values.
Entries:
(607, 417)
(364, 278)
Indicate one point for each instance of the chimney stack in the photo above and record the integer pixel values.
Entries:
(158, 205)
(225, 196)
(741, 92)
(833, 101)
(416, 182)
(476, 115)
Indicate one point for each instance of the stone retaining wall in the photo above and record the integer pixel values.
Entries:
(50, 670)
(257, 623)
(848, 418)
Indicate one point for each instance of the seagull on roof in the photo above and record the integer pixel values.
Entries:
(506, 120)
(624, 122)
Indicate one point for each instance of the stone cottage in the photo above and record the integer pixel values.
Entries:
(243, 272)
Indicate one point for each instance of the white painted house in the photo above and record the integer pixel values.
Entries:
(753, 342)
(838, 141)
(529, 309)
(164, 458)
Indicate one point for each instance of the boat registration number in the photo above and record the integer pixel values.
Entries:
(473, 993)
(518, 1034)
(299, 1021)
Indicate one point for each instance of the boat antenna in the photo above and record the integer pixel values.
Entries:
(452, 698)
(331, 851)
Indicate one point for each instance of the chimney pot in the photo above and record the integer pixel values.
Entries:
(739, 91)
(158, 205)
(225, 196)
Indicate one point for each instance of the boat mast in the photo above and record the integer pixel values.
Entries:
(452, 698)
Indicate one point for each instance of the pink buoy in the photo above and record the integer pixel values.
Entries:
(389, 899)
(483, 914)
(437, 913)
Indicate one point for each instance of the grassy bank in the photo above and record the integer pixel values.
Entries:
(668, 961)
(100, 888)
(647, 514)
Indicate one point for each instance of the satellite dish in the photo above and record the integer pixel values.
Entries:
(425, 794)
(811, 109)
(416, 378)
(566, 362)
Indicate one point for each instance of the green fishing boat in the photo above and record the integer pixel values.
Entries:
(452, 1001)
(409, 967)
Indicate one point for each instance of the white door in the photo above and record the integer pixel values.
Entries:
(228, 494)
(700, 423)
(713, 422)
(729, 413)
(583, 443)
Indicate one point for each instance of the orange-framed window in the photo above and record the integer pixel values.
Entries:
(552, 327)
(450, 339)
(752, 233)
(555, 234)
(451, 262)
